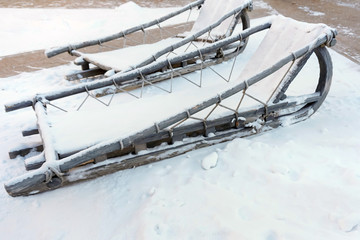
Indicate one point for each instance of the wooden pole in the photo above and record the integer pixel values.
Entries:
(68, 48)
(246, 24)
(45, 132)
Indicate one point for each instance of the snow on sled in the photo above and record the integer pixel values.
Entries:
(216, 20)
(282, 78)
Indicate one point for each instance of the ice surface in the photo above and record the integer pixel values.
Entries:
(95, 123)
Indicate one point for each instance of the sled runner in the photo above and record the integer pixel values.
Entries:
(285, 81)
(216, 20)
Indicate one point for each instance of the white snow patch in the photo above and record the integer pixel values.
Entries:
(346, 31)
(352, 4)
(210, 161)
(35, 29)
(261, 4)
(311, 12)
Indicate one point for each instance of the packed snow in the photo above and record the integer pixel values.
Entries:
(295, 182)
(210, 161)
(34, 29)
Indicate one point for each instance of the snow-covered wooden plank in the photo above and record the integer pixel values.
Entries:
(35, 161)
(30, 132)
(24, 150)
(34, 181)
(45, 132)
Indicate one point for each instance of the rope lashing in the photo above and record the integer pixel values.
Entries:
(188, 114)
(121, 145)
(53, 169)
(144, 36)
(70, 49)
(205, 128)
(246, 85)
(237, 123)
(157, 127)
(94, 97)
(170, 132)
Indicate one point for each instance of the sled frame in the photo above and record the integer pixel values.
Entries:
(125, 153)
(237, 14)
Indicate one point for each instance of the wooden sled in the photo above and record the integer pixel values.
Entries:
(151, 129)
(217, 20)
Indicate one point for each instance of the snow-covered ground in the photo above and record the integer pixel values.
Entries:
(295, 182)
(32, 29)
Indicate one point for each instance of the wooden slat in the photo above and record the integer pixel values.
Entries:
(30, 132)
(35, 162)
(25, 151)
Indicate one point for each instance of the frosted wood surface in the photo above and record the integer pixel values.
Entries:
(284, 37)
(127, 115)
(212, 11)
(76, 130)
(95, 123)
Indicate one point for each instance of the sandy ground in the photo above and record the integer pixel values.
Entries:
(342, 15)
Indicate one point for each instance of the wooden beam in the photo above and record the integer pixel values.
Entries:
(25, 151)
(57, 50)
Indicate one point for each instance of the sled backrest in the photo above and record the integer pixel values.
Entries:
(211, 11)
(284, 37)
